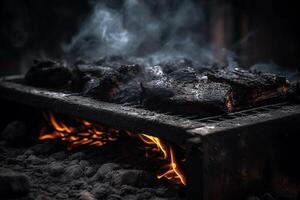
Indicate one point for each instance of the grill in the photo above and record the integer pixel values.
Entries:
(222, 162)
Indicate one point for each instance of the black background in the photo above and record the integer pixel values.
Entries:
(30, 28)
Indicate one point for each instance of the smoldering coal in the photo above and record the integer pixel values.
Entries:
(154, 31)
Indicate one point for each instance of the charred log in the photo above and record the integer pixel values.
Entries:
(128, 93)
(106, 86)
(293, 92)
(86, 76)
(177, 86)
(169, 67)
(48, 74)
(198, 98)
(251, 88)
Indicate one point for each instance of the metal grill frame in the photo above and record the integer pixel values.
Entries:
(227, 155)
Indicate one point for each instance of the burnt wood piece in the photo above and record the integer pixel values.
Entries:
(169, 67)
(132, 91)
(294, 90)
(170, 128)
(184, 75)
(90, 69)
(128, 93)
(48, 74)
(98, 81)
(87, 76)
(196, 98)
(107, 85)
(250, 88)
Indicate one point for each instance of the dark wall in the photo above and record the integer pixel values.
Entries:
(270, 30)
(35, 27)
(262, 30)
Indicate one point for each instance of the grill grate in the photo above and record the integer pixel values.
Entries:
(217, 147)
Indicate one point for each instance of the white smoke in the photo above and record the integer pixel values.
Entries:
(155, 31)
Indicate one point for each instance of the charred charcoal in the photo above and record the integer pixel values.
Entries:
(102, 190)
(103, 170)
(108, 83)
(77, 156)
(247, 79)
(170, 67)
(58, 174)
(90, 171)
(13, 184)
(128, 71)
(187, 75)
(127, 189)
(86, 195)
(128, 93)
(158, 89)
(56, 169)
(293, 92)
(14, 131)
(59, 155)
(203, 69)
(74, 172)
(48, 74)
(93, 70)
(85, 75)
(153, 72)
(34, 160)
(250, 88)
(46, 147)
(200, 98)
(136, 178)
(86, 84)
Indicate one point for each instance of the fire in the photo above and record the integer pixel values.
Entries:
(84, 133)
(154, 141)
(171, 170)
(87, 133)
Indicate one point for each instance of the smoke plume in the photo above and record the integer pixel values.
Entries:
(152, 30)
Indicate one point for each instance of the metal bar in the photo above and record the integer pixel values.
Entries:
(241, 156)
(124, 117)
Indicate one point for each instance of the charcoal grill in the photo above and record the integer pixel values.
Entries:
(228, 156)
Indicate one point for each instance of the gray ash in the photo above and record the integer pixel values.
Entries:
(46, 170)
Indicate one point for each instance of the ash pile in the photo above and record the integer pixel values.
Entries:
(46, 170)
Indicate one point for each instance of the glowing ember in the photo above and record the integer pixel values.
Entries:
(229, 102)
(87, 133)
(84, 133)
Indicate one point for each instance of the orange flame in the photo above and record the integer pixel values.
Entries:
(154, 141)
(86, 133)
(172, 172)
